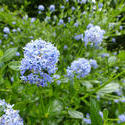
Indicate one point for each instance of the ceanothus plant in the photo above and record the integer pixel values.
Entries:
(39, 62)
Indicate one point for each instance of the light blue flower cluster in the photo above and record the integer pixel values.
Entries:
(78, 37)
(94, 34)
(52, 8)
(9, 115)
(6, 30)
(60, 22)
(87, 120)
(121, 118)
(80, 68)
(41, 7)
(93, 63)
(39, 62)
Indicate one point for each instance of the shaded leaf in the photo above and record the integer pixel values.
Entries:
(8, 55)
(75, 114)
(14, 65)
(94, 113)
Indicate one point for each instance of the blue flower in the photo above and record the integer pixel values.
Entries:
(14, 30)
(94, 34)
(121, 27)
(62, 7)
(41, 7)
(17, 54)
(12, 79)
(121, 118)
(69, 19)
(93, 63)
(89, 26)
(113, 40)
(6, 30)
(33, 19)
(13, 22)
(105, 55)
(76, 24)
(65, 47)
(18, 29)
(80, 68)
(73, 8)
(101, 114)
(52, 8)
(100, 5)
(0, 41)
(11, 43)
(9, 116)
(78, 37)
(40, 58)
(87, 120)
(61, 22)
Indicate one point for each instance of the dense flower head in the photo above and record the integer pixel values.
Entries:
(40, 58)
(6, 30)
(80, 68)
(94, 34)
(9, 115)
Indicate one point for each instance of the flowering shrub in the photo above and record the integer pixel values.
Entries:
(40, 60)
(82, 82)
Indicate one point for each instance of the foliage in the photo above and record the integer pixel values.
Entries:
(65, 101)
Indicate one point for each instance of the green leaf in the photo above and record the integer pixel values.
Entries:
(1, 53)
(105, 114)
(87, 84)
(14, 65)
(112, 60)
(111, 87)
(75, 114)
(55, 107)
(8, 55)
(94, 113)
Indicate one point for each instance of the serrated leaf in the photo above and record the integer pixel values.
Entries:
(75, 114)
(8, 55)
(14, 65)
(94, 113)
